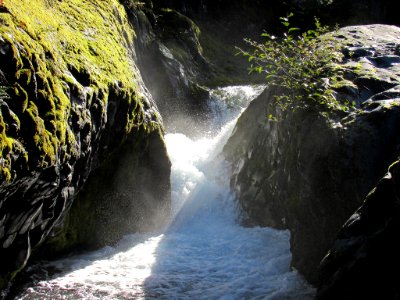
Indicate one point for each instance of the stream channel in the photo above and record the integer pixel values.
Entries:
(203, 253)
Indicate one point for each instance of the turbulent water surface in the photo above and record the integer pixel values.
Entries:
(202, 254)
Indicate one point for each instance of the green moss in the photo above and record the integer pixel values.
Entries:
(63, 62)
(43, 139)
(6, 147)
(56, 47)
(362, 69)
(338, 82)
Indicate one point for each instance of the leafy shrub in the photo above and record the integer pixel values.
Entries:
(305, 65)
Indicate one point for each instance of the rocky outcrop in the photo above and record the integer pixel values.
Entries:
(308, 171)
(364, 259)
(72, 101)
(181, 58)
(185, 48)
(171, 59)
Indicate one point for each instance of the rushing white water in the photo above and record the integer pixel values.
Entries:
(203, 253)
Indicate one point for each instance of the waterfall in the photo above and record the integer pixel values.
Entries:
(203, 253)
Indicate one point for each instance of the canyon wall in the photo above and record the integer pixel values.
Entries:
(307, 170)
(73, 101)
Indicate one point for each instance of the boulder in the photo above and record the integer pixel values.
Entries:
(307, 170)
(364, 259)
(72, 101)
(173, 66)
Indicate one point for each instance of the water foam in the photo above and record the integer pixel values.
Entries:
(203, 254)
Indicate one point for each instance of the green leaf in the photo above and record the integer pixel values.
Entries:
(293, 29)
(311, 32)
(271, 117)
(299, 63)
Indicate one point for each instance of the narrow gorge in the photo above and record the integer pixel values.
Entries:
(140, 160)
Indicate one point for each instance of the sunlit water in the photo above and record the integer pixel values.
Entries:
(203, 253)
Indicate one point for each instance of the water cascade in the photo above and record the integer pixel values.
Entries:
(203, 253)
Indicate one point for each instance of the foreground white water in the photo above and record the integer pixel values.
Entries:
(202, 254)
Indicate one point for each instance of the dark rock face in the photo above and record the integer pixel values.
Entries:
(129, 192)
(363, 261)
(267, 12)
(72, 101)
(171, 59)
(359, 11)
(308, 172)
(181, 58)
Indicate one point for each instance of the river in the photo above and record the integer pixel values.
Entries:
(203, 253)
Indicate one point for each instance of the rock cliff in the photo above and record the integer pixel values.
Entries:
(72, 101)
(308, 171)
(174, 68)
(80, 133)
(364, 259)
(182, 58)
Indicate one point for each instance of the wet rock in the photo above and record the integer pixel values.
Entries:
(363, 260)
(308, 172)
(373, 63)
(172, 62)
(71, 101)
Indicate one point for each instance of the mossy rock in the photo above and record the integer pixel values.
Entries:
(71, 97)
(46, 58)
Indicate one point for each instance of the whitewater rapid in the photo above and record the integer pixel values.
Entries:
(203, 253)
